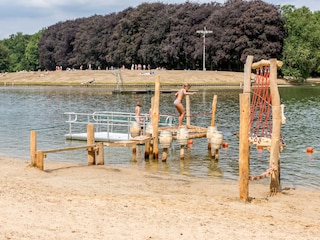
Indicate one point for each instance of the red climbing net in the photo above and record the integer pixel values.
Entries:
(260, 108)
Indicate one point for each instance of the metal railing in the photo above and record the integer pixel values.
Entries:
(112, 122)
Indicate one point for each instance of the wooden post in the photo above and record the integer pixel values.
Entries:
(247, 75)
(244, 146)
(33, 147)
(134, 152)
(213, 109)
(188, 110)
(90, 141)
(215, 154)
(155, 117)
(181, 151)
(100, 153)
(146, 150)
(40, 157)
(213, 114)
(164, 154)
(276, 127)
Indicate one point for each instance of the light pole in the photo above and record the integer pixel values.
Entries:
(204, 32)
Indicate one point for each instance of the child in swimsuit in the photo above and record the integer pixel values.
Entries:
(178, 101)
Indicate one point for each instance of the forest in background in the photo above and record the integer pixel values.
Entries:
(165, 36)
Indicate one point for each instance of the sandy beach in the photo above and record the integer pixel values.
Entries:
(109, 77)
(107, 202)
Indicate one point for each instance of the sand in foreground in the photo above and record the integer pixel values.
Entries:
(104, 202)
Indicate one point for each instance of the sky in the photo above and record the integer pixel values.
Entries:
(30, 16)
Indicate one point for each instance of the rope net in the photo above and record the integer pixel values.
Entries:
(261, 109)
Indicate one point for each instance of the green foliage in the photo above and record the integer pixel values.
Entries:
(302, 45)
(164, 35)
(23, 52)
(32, 52)
(4, 58)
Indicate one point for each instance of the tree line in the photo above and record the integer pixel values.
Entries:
(165, 36)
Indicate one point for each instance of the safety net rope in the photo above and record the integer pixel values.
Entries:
(260, 107)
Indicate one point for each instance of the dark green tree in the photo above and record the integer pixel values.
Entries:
(4, 58)
(32, 52)
(17, 43)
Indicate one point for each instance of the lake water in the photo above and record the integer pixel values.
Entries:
(24, 109)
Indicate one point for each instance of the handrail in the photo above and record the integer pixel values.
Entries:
(111, 122)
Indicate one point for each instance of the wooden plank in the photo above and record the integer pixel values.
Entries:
(263, 63)
(68, 149)
(120, 144)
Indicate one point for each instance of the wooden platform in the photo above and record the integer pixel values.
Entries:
(134, 141)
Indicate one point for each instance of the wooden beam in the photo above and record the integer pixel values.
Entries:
(33, 147)
(247, 75)
(276, 127)
(90, 141)
(244, 146)
(213, 110)
(263, 63)
(155, 117)
(188, 113)
(69, 148)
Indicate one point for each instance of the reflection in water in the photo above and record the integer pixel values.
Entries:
(214, 169)
(42, 108)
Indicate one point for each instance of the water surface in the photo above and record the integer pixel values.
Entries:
(24, 109)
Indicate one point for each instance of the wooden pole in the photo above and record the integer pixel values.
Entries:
(90, 141)
(213, 114)
(147, 149)
(213, 109)
(247, 75)
(164, 154)
(276, 126)
(188, 110)
(33, 147)
(40, 157)
(181, 151)
(244, 146)
(215, 154)
(100, 153)
(134, 152)
(155, 117)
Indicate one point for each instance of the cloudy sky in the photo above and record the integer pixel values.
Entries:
(30, 16)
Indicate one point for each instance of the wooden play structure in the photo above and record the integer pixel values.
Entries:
(95, 150)
(261, 116)
(154, 136)
(182, 135)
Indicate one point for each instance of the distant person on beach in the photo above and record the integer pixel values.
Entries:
(178, 101)
(138, 112)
